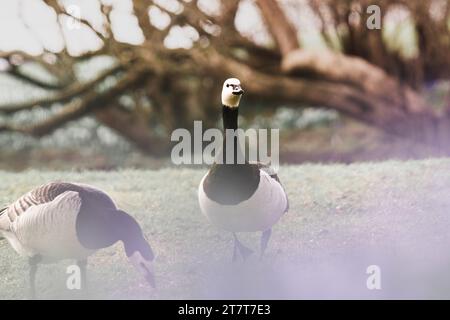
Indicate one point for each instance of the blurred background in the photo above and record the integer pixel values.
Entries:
(102, 84)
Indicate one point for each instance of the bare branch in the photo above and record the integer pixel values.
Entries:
(355, 71)
(279, 26)
(71, 92)
(14, 71)
(229, 10)
(348, 99)
(141, 11)
(134, 128)
(60, 10)
(79, 108)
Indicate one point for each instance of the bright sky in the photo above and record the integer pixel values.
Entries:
(31, 26)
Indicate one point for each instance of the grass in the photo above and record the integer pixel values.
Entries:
(343, 218)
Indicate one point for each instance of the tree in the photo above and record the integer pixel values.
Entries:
(358, 75)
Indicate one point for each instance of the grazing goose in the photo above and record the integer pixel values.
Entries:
(244, 197)
(60, 221)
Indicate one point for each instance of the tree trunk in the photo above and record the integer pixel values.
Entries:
(135, 129)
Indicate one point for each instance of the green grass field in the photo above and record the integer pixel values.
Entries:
(343, 218)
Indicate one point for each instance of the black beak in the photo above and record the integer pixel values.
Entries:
(149, 276)
(151, 279)
(238, 93)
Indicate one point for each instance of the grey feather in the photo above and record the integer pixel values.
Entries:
(4, 220)
(273, 174)
(40, 195)
(2, 211)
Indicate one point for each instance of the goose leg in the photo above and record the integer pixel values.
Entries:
(265, 240)
(82, 264)
(235, 251)
(33, 263)
(243, 250)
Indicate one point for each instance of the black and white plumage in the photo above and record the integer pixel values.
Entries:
(244, 197)
(60, 220)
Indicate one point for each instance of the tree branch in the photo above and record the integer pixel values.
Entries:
(141, 11)
(348, 99)
(79, 108)
(14, 71)
(282, 31)
(361, 74)
(60, 10)
(135, 129)
(71, 92)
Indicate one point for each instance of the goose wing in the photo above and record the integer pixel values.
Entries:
(268, 169)
(38, 196)
(272, 173)
(4, 221)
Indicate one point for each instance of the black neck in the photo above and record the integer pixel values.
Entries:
(230, 117)
(132, 237)
(230, 121)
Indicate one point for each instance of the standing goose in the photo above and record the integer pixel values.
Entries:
(60, 221)
(244, 197)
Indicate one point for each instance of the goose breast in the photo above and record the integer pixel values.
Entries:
(258, 213)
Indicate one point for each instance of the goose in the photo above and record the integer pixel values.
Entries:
(61, 220)
(244, 197)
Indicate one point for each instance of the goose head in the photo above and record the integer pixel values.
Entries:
(141, 257)
(231, 92)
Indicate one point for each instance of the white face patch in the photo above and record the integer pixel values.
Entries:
(231, 92)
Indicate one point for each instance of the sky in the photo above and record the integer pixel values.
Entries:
(31, 26)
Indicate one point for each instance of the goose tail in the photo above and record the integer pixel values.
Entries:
(2, 211)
